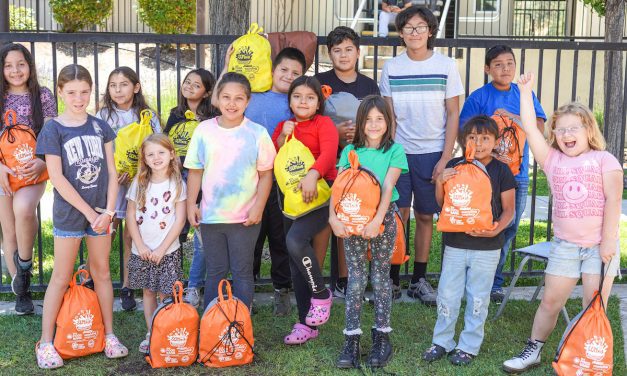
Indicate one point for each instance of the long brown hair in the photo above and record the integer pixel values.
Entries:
(144, 173)
(367, 104)
(37, 113)
(139, 102)
(595, 137)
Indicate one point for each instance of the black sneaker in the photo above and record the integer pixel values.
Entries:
(497, 295)
(433, 353)
(460, 358)
(127, 297)
(339, 291)
(21, 281)
(423, 291)
(396, 292)
(24, 304)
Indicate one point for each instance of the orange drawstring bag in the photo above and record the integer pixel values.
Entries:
(467, 197)
(399, 253)
(510, 144)
(174, 332)
(80, 330)
(355, 196)
(17, 147)
(226, 332)
(587, 346)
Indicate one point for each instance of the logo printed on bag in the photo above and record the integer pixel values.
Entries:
(178, 337)
(181, 139)
(23, 154)
(295, 165)
(351, 203)
(460, 195)
(83, 320)
(244, 55)
(595, 348)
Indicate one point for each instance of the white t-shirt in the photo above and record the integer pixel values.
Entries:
(158, 215)
(121, 118)
(418, 90)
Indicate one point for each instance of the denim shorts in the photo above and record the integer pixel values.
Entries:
(79, 234)
(570, 260)
(417, 182)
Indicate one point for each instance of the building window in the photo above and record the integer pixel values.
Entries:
(487, 5)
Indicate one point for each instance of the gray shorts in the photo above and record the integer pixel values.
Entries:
(570, 260)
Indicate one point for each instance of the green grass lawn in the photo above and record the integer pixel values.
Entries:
(412, 323)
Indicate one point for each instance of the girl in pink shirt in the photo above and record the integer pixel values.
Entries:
(586, 183)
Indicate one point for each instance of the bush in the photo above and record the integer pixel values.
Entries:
(21, 18)
(74, 15)
(169, 16)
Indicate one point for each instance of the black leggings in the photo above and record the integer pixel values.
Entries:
(306, 273)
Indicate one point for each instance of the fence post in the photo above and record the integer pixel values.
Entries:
(4, 16)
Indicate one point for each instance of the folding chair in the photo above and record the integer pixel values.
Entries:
(536, 252)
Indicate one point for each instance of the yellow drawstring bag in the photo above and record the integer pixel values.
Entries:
(128, 142)
(291, 164)
(181, 133)
(252, 57)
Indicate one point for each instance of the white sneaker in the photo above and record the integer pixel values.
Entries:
(192, 296)
(144, 347)
(528, 358)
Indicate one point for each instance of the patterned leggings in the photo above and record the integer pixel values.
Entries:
(356, 249)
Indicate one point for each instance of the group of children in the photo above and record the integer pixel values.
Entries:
(224, 187)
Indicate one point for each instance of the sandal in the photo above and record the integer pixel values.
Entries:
(460, 358)
(300, 334)
(47, 356)
(319, 311)
(114, 348)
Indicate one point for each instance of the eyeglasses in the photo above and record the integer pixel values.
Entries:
(420, 29)
(569, 130)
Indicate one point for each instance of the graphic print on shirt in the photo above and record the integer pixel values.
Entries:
(578, 191)
(85, 153)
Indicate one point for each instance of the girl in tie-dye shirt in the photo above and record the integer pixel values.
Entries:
(231, 158)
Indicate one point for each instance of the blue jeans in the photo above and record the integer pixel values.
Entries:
(468, 271)
(511, 230)
(198, 269)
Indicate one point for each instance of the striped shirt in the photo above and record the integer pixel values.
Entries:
(418, 90)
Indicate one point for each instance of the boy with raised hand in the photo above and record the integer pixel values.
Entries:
(423, 87)
(502, 94)
(343, 46)
(269, 109)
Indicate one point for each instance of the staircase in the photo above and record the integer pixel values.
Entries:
(385, 53)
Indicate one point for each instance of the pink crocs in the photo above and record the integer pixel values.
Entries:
(47, 356)
(300, 334)
(319, 311)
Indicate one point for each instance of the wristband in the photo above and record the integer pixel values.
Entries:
(110, 213)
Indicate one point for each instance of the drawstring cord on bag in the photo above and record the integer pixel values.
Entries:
(227, 339)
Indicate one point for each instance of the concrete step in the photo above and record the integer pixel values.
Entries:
(384, 50)
(369, 72)
(369, 61)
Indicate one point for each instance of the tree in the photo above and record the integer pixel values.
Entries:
(614, 101)
(226, 18)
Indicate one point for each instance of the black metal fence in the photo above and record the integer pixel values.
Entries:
(566, 71)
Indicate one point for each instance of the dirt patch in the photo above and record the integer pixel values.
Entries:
(82, 49)
(138, 367)
(168, 58)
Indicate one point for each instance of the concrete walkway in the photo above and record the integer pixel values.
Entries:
(519, 293)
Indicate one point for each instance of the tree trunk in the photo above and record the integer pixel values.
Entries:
(201, 28)
(226, 18)
(614, 118)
